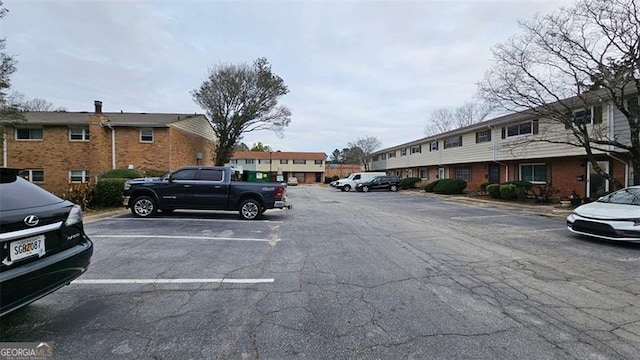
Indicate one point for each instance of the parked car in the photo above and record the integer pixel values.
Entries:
(43, 245)
(612, 217)
(387, 182)
(293, 181)
(354, 179)
(203, 188)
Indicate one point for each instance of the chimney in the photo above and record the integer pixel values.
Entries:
(98, 106)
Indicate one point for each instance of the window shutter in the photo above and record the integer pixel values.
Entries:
(477, 137)
(489, 134)
(503, 132)
(549, 174)
(597, 114)
(535, 126)
(568, 120)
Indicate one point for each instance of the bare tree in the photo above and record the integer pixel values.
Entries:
(367, 145)
(578, 57)
(240, 146)
(240, 99)
(37, 104)
(8, 114)
(443, 120)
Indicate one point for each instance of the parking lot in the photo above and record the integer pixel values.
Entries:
(343, 275)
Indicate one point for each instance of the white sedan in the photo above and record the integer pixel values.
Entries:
(612, 217)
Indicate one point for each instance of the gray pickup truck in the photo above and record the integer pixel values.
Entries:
(202, 188)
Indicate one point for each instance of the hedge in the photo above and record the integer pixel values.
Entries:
(430, 186)
(120, 174)
(154, 173)
(450, 186)
(508, 191)
(409, 183)
(494, 190)
(108, 192)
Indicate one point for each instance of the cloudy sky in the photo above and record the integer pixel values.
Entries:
(354, 68)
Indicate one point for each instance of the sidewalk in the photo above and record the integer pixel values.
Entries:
(538, 209)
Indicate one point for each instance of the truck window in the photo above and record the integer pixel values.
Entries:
(184, 174)
(211, 174)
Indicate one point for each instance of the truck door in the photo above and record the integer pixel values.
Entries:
(177, 190)
(210, 191)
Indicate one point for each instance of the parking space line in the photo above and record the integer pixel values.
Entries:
(170, 281)
(478, 216)
(133, 236)
(164, 219)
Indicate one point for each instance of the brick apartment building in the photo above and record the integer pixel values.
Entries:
(342, 170)
(61, 148)
(500, 150)
(307, 167)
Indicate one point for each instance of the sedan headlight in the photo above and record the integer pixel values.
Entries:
(127, 186)
(75, 216)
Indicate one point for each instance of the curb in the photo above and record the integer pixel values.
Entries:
(94, 217)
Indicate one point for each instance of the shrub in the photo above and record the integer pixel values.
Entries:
(430, 186)
(81, 194)
(108, 192)
(483, 187)
(408, 183)
(508, 191)
(494, 190)
(120, 174)
(450, 186)
(520, 184)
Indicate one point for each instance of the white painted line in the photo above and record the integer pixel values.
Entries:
(192, 219)
(170, 281)
(133, 236)
(478, 217)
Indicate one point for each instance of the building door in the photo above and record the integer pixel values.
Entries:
(441, 173)
(597, 185)
(494, 173)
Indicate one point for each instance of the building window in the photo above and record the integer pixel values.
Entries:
(424, 174)
(299, 162)
(78, 176)
(462, 173)
(284, 161)
(416, 149)
(483, 136)
(533, 173)
(233, 161)
(146, 135)
(403, 152)
(433, 146)
(582, 116)
(318, 162)
(79, 134)
(264, 161)
(35, 176)
(524, 128)
(455, 141)
(249, 161)
(392, 154)
(29, 134)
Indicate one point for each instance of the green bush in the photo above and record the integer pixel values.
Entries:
(120, 174)
(483, 187)
(329, 179)
(409, 183)
(508, 191)
(108, 192)
(494, 190)
(450, 186)
(430, 186)
(520, 184)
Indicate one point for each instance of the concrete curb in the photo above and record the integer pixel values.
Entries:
(106, 214)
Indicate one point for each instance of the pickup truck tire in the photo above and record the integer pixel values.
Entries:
(347, 188)
(250, 209)
(144, 206)
(393, 188)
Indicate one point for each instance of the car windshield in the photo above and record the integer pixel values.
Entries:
(624, 196)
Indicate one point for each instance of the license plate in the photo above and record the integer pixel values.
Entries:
(27, 247)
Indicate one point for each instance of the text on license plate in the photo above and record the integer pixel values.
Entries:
(27, 247)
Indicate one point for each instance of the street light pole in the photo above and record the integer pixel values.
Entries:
(270, 161)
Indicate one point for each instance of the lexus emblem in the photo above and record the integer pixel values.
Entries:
(31, 220)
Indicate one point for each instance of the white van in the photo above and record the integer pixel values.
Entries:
(354, 179)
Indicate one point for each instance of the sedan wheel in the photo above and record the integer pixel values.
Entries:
(250, 209)
(365, 188)
(144, 206)
(393, 188)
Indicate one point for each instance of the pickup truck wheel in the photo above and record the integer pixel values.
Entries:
(393, 188)
(347, 188)
(365, 188)
(144, 206)
(250, 209)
